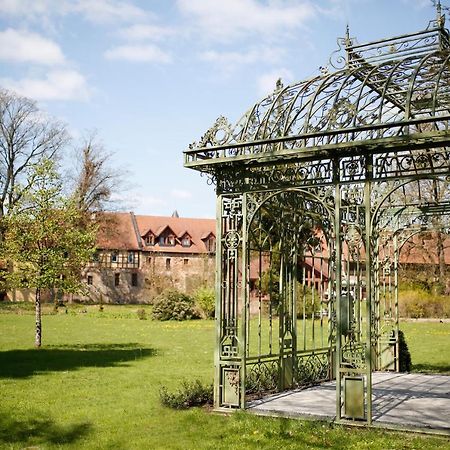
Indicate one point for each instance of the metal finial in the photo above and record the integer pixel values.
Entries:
(348, 40)
(438, 9)
(279, 85)
(440, 18)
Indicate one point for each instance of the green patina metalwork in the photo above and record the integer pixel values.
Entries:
(319, 186)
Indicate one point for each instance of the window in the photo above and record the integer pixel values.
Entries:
(131, 257)
(114, 257)
(168, 264)
(167, 240)
(211, 244)
(149, 259)
(150, 239)
(116, 279)
(185, 261)
(134, 279)
(89, 280)
(186, 241)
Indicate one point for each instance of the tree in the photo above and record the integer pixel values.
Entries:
(27, 136)
(95, 180)
(432, 242)
(44, 239)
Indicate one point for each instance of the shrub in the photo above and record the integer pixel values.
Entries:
(174, 305)
(405, 356)
(141, 314)
(304, 301)
(417, 303)
(190, 394)
(205, 301)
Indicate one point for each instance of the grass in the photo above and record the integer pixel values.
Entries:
(95, 385)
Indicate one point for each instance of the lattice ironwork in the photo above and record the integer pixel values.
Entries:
(320, 186)
(312, 368)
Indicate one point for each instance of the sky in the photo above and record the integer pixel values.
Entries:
(151, 76)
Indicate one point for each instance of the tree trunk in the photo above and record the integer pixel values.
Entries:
(38, 338)
(441, 259)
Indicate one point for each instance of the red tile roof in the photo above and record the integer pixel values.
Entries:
(117, 232)
(196, 228)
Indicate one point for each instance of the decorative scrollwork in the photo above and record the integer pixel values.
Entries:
(412, 163)
(312, 368)
(352, 194)
(354, 356)
(218, 134)
(232, 239)
(353, 236)
(232, 207)
(353, 169)
(262, 377)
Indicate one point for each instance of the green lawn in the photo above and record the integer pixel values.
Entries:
(95, 384)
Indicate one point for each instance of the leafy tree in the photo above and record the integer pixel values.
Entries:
(44, 239)
(27, 136)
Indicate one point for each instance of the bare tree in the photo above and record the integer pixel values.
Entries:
(27, 136)
(431, 243)
(95, 180)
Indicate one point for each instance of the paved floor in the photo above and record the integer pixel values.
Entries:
(408, 400)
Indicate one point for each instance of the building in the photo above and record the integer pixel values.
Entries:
(139, 256)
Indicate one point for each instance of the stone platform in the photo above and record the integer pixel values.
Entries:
(399, 400)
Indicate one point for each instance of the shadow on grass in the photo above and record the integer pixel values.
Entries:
(40, 431)
(432, 368)
(26, 363)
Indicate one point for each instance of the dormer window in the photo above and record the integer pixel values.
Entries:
(186, 241)
(167, 238)
(149, 239)
(211, 244)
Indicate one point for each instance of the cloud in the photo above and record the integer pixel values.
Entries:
(231, 19)
(27, 47)
(96, 11)
(63, 84)
(232, 59)
(138, 53)
(145, 204)
(102, 11)
(181, 194)
(266, 82)
(140, 32)
(419, 4)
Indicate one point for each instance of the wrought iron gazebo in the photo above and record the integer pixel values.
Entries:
(319, 186)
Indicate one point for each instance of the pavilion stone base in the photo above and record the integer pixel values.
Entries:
(399, 400)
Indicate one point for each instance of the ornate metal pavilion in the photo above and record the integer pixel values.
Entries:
(319, 185)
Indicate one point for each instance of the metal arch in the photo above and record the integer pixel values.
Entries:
(401, 185)
(412, 83)
(388, 81)
(290, 123)
(377, 208)
(275, 105)
(444, 67)
(305, 192)
(363, 85)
